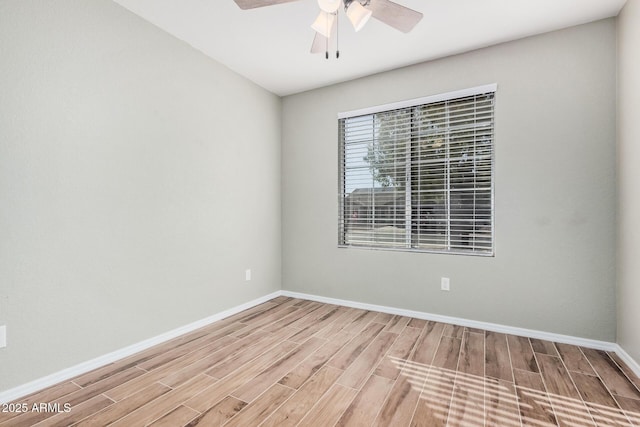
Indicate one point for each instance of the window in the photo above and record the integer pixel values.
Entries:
(418, 175)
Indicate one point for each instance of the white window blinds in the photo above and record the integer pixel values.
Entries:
(419, 175)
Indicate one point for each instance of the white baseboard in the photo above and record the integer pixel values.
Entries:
(530, 333)
(565, 339)
(65, 374)
(631, 363)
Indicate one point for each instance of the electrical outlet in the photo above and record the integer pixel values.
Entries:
(247, 274)
(444, 283)
(3, 336)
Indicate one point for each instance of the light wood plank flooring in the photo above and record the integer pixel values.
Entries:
(293, 362)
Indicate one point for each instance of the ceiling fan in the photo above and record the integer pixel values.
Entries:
(358, 11)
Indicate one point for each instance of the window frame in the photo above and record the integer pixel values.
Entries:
(342, 195)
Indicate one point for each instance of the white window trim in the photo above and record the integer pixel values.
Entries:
(478, 90)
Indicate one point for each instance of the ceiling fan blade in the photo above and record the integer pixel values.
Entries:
(319, 44)
(395, 15)
(252, 4)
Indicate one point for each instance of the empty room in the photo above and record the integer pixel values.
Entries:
(319, 213)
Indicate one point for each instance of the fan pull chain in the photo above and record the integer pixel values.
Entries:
(326, 48)
(337, 37)
(328, 39)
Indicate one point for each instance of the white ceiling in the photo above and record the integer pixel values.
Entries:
(270, 45)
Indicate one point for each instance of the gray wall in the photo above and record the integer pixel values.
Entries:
(554, 268)
(628, 248)
(133, 190)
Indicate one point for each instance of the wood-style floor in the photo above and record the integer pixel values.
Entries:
(293, 362)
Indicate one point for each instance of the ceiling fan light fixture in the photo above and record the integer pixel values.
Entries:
(358, 15)
(324, 23)
(329, 6)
